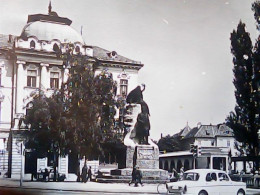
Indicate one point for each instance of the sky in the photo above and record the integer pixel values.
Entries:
(183, 44)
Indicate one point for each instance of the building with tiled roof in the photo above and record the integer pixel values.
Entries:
(29, 63)
(185, 131)
(215, 145)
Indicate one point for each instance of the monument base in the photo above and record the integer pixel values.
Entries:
(143, 156)
(147, 159)
(148, 174)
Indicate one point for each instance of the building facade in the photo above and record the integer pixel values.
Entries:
(215, 145)
(29, 63)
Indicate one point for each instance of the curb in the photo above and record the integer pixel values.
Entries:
(70, 190)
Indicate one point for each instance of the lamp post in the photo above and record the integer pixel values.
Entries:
(4, 155)
(22, 164)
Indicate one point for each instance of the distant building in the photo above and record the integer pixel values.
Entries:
(215, 144)
(29, 63)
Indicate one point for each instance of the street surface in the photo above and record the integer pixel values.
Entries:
(61, 192)
(75, 188)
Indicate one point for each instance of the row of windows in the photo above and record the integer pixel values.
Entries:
(32, 75)
(54, 81)
(213, 143)
(55, 47)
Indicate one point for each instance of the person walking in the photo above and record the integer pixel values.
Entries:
(181, 172)
(138, 177)
(84, 173)
(89, 173)
(133, 176)
(78, 174)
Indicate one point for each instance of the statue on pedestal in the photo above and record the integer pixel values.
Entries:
(141, 129)
(141, 151)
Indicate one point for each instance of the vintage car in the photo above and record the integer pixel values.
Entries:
(206, 182)
(60, 176)
(47, 174)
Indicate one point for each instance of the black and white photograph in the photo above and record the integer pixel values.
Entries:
(130, 97)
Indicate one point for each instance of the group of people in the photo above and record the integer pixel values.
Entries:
(86, 174)
(136, 176)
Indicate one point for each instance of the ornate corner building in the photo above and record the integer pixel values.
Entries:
(29, 63)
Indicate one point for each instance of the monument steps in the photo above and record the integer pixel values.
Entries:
(124, 179)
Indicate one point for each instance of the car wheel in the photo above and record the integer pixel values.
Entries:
(203, 193)
(241, 192)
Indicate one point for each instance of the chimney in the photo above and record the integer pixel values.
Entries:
(199, 125)
(10, 37)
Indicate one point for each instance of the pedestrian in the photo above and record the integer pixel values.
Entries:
(78, 174)
(89, 173)
(181, 172)
(138, 177)
(133, 176)
(46, 175)
(84, 173)
(174, 176)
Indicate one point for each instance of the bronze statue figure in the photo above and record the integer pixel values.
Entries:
(141, 129)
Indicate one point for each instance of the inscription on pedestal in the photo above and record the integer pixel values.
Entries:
(145, 154)
(147, 157)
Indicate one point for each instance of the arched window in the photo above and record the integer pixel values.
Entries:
(166, 167)
(56, 47)
(172, 165)
(32, 44)
(77, 49)
(160, 164)
(186, 165)
(179, 165)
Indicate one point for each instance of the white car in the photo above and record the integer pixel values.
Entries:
(206, 182)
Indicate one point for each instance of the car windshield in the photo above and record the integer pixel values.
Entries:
(191, 176)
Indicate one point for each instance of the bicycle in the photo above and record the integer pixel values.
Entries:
(161, 188)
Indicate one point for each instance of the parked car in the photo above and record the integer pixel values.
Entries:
(43, 174)
(59, 176)
(206, 182)
(47, 174)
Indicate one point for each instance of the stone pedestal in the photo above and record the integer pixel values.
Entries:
(146, 156)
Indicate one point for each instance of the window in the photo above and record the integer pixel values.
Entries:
(223, 177)
(32, 44)
(31, 78)
(56, 47)
(228, 143)
(211, 177)
(77, 49)
(191, 176)
(54, 80)
(123, 87)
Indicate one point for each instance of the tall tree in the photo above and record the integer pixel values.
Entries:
(245, 119)
(170, 143)
(89, 109)
(46, 125)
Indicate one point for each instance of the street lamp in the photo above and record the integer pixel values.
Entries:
(22, 164)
